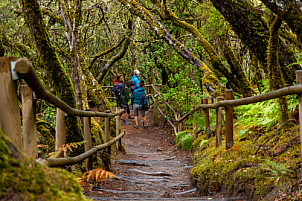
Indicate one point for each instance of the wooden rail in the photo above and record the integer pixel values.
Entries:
(229, 105)
(10, 117)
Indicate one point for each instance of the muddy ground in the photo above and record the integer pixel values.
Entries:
(152, 169)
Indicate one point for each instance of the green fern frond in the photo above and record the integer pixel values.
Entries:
(180, 135)
(186, 142)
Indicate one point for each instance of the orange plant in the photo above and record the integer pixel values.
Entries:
(97, 175)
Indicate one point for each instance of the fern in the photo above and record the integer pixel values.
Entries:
(186, 142)
(180, 135)
(276, 169)
(99, 175)
(262, 114)
(63, 148)
(184, 138)
(203, 142)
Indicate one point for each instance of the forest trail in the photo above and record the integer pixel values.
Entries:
(152, 169)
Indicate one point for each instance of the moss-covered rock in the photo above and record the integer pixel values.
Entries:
(24, 179)
(257, 168)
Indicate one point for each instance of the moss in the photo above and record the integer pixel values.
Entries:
(275, 75)
(24, 179)
(56, 74)
(48, 135)
(252, 176)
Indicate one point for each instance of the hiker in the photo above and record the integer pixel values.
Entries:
(122, 96)
(137, 104)
(135, 80)
(115, 83)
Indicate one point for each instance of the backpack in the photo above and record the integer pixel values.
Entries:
(133, 88)
(119, 92)
(145, 103)
(114, 88)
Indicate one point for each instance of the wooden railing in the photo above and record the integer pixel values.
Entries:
(10, 123)
(229, 105)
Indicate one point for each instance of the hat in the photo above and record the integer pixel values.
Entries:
(136, 72)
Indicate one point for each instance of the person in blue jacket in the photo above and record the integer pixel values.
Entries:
(135, 80)
(137, 104)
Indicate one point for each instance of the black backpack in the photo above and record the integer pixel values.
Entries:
(145, 103)
(119, 92)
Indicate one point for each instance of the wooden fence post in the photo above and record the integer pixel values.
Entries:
(118, 130)
(179, 127)
(218, 122)
(10, 120)
(29, 122)
(299, 81)
(87, 138)
(107, 131)
(229, 120)
(194, 123)
(155, 110)
(206, 118)
(60, 130)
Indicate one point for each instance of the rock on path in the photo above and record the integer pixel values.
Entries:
(151, 170)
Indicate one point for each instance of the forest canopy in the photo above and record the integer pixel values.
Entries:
(194, 49)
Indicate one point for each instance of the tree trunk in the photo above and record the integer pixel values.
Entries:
(276, 80)
(210, 81)
(254, 33)
(59, 79)
(292, 14)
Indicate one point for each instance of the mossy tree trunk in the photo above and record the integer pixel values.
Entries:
(253, 31)
(71, 16)
(209, 79)
(2, 49)
(237, 78)
(290, 11)
(55, 72)
(276, 79)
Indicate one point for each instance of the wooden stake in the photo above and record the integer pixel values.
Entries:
(29, 122)
(179, 127)
(299, 81)
(194, 123)
(60, 130)
(10, 119)
(218, 122)
(206, 118)
(87, 138)
(118, 130)
(155, 111)
(107, 131)
(229, 120)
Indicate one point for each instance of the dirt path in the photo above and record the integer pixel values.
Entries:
(151, 170)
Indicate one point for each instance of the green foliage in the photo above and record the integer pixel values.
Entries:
(203, 142)
(185, 138)
(215, 24)
(275, 170)
(263, 114)
(49, 115)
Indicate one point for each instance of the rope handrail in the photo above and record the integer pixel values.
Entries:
(297, 89)
(59, 162)
(26, 71)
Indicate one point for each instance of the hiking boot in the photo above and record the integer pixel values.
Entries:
(129, 117)
(136, 126)
(126, 123)
(146, 126)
